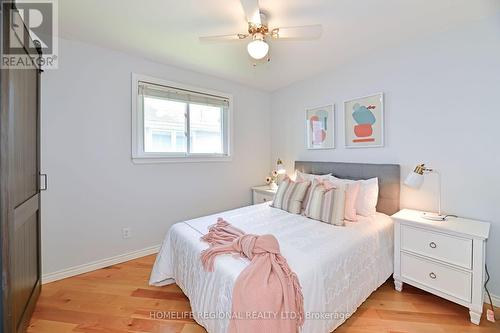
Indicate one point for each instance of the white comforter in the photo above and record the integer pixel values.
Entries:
(338, 267)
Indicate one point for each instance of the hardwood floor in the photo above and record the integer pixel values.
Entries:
(118, 299)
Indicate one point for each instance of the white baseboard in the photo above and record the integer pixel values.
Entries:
(92, 266)
(494, 298)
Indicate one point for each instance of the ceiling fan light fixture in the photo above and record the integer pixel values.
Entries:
(261, 34)
(258, 48)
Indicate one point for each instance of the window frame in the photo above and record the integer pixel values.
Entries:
(139, 156)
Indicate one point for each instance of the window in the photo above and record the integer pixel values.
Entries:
(178, 123)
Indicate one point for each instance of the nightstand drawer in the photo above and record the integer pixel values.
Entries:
(453, 282)
(450, 249)
(261, 197)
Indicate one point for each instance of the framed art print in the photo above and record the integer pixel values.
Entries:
(364, 121)
(320, 127)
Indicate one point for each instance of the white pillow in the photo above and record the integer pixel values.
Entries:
(310, 177)
(366, 201)
(342, 180)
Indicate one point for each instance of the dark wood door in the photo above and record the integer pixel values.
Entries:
(19, 194)
(24, 246)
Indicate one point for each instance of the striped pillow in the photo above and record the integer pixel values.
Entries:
(300, 176)
(290, 195)
(326, 203)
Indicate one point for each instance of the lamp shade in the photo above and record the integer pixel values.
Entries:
(414, 180)
(280, 169)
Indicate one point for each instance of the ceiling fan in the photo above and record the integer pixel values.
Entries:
(260, 33)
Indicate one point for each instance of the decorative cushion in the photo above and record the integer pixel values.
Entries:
(326, 202)
(290, 195)
(300, 176)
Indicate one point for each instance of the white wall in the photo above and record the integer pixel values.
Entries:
(94, 188)
(442, 107)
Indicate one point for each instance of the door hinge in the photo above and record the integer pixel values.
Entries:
(43, 182)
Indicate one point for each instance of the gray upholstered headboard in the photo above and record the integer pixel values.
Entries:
(388, 178)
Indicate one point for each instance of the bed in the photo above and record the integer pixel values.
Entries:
(338, 267)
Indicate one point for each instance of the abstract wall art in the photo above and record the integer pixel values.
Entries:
(320, 127)
(364, 121)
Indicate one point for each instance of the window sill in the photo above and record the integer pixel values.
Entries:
(190, 159)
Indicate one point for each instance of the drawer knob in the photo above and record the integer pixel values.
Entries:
(432, 275)
(432, 245)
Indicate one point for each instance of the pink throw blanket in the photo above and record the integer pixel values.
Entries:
(267, 295)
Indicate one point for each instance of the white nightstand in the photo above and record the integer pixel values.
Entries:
(262, 194)
(446, 258)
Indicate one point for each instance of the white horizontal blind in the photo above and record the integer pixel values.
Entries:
(181, 95)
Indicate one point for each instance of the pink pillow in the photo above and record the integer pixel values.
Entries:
(351, 194)
(352, 189)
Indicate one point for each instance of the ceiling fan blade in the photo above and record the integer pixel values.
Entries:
(252, 11)
(223, 38)
(299, 32)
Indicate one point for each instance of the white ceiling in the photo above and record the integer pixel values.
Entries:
(167, 31)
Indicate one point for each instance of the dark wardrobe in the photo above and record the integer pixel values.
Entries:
(19, 189)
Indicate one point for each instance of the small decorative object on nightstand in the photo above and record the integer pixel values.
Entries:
(262, 194)
(275, 174)
(446, 258)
